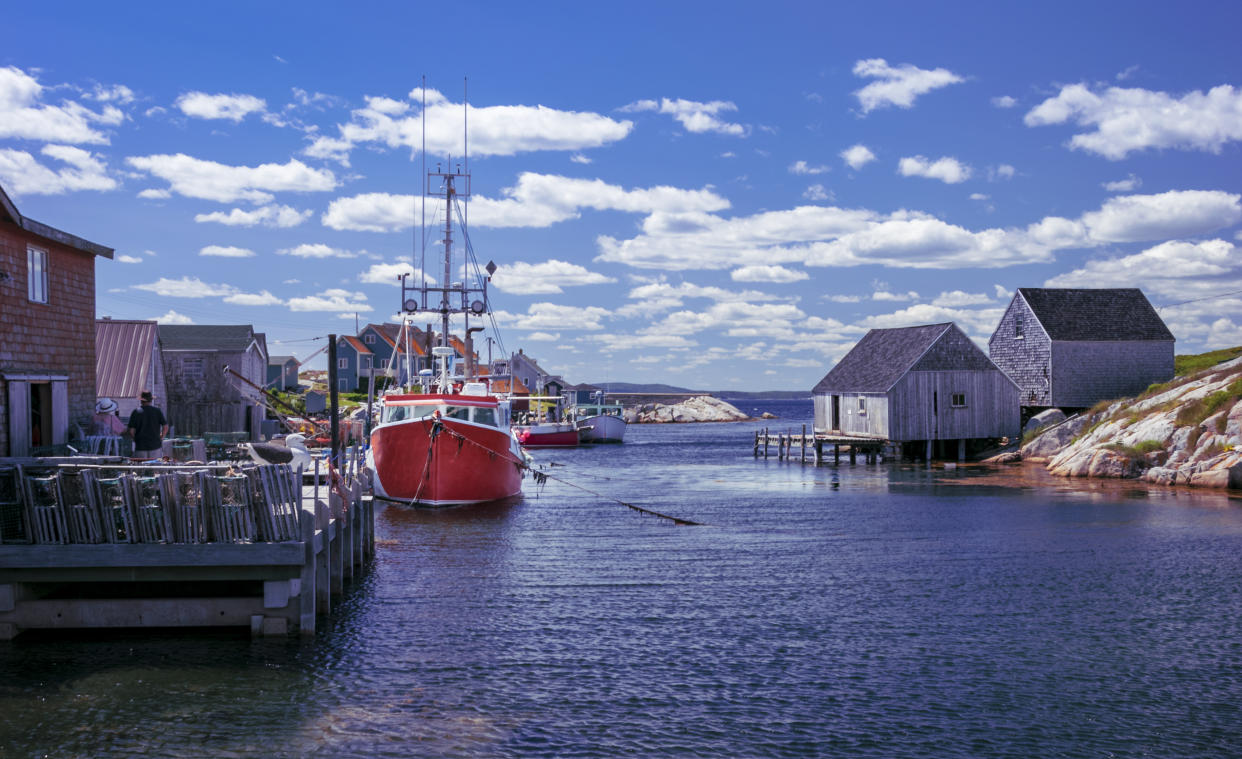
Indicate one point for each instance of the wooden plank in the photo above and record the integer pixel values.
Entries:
(152, 555)
(145, 612)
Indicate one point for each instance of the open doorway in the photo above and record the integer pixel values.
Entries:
(40, 414)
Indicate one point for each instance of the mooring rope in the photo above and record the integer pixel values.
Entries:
(640, 509)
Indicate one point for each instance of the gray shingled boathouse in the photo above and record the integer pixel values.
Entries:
(917, 386)
(1070, 348)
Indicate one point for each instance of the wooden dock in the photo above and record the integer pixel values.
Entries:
(177, 547)
(872, 448)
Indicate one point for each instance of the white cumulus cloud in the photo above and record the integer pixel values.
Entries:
(857, 156)
(1126, 120)
(208, 180)
(23, 115)
(520, 278)
(232, 107)
(494, 130)
(226, 251)
(768, 273)
(1139, 218)
(897, 85)
(694, 116)
(946, 169)
(23, 174)
(280, 217)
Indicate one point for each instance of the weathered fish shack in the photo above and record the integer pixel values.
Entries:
(925, 388)
(1072, 347)
(202, 397)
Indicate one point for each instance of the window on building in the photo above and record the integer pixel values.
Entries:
(342, 363)
(959, 400)
(1017, 326)
(383, 363)
(862, 405)
(194, 367)
(364, 363)
(369, 339)
(36, 275)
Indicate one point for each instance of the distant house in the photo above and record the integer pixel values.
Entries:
(202, 397)
(917, 385)
(282, 373)
(353, 364)
(1070, 348)
(523, 368)
(388, 344)
(316, 401)
(128, 360)
(47, 332)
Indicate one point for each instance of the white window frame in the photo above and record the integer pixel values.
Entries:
(342, 363)
(954, 398)
(36, 274)
(369, 338)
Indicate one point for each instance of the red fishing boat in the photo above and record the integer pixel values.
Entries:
(443, 449)
(450, 443)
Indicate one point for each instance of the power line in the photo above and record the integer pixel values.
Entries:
(1197, 300)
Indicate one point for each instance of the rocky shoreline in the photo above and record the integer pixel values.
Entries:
(1187, 431)
(701, 408)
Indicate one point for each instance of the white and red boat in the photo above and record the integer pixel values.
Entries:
(444, 449)
(547, 435)
(451, 443)
(543, 430)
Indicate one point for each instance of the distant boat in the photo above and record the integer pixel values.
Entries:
(545, 432)
(599, 422)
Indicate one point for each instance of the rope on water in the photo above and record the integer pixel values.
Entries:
(541, 477)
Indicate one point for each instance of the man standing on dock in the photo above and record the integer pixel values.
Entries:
(148, 427)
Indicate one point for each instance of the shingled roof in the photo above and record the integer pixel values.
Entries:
(883, 356)
(230, 338)
(880, 358)
(1095, 314)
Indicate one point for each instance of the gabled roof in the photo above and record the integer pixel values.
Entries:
(882, 357)
(229, 338)
(280, 360)
(355, 343)
(1095, 314)
(9, 211)
(123, 353)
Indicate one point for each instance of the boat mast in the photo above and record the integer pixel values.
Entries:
(455, 297)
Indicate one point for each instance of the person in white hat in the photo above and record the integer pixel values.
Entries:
(107, 418)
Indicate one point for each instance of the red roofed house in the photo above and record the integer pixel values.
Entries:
(47, 326)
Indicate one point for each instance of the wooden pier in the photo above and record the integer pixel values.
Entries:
(872, 448)
(107, 546)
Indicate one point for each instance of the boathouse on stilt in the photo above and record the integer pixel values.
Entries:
(928, 389)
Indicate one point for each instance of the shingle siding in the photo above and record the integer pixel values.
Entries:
(1133, 349)
(1085, 373)
(1027, 359)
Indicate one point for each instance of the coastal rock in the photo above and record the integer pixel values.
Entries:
(1188, 433)
(702, 408)
(1008, 457)
(1044, 419)
(1048, 444)
(767, 415)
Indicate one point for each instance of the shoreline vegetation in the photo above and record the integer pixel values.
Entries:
(1187, 431)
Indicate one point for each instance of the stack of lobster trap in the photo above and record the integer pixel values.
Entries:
(85, 505)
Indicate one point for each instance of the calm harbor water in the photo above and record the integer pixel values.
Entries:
(861, 611)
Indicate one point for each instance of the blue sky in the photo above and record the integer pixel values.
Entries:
(713, 195)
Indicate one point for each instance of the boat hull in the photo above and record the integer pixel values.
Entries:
(549, 435)
(602, 428)
(444, 462)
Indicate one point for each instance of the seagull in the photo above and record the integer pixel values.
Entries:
(293, 452)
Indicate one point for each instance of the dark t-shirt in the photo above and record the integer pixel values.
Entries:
(146, 422)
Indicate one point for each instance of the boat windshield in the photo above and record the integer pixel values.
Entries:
(476, 414)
